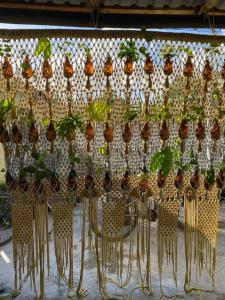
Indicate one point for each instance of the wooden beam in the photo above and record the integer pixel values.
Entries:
(45, 7)
(135, 11)
(207, 6)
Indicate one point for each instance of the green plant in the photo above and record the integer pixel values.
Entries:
(64, 48)
(3, 186)
(128, 50)
(73, 158)
(86, 49)
(187, 50)
(162, 160)
(38, 168)
(143, 50)
(69, 123)
(5, 106)
(43, 47)
(159, 112)
(214, 48)
(167, 51)
(5, 48)
(130, 113)
(97, 111)
(209, 175)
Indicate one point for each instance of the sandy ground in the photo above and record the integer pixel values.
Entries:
(54, 292)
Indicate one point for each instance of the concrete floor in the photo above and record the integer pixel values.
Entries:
(54, 292)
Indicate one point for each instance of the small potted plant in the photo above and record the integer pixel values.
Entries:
(44, 47)
(129, 52)
(66, 127)
(209, 180)
(162, 161)
(195, 176)
(148, 64)
(108, 66)
(27, 71)
(167, 52)
(38, 170)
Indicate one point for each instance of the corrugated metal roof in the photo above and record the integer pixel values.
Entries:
(138, 3)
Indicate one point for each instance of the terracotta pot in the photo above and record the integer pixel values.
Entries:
(67, 68)
(178, 181)
(183, 130)
(194, 180)
(7, 68)
(168, 66)
(89, 132)
(200, 131)
(164, 131)
(108, 67)
(88, 67)
(23, 184)
(46, 69)
(161, 180)
(127, 134)
(146, 132)
(33, 133)
(89, 182)
(4, 134)
(207, 71)
(27, 72)
(143, 185)
(220, 179)
(16, 134)
(108, 133)
(51, 132)
(148, 65)
(128, 66)
(188, 67)
(125, 181)
(215, 131)
(70, 135)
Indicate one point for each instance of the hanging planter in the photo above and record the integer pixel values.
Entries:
(51, 134)
(27, 71)
(33, 136)
(7, 71)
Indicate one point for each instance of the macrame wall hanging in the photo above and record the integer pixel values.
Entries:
(129, 123)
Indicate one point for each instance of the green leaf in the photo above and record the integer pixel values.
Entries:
(156, 161)
(102, 149)
(73, 158)
(97, 111)
(43, 47)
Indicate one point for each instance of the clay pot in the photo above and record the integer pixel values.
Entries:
(161, 180)
(128, 66)
(125, 181)
(194, 180)
(88, 67)
(51, 132)
(183, 130)
(220, 179)
(16, 134)
(146, 132)
(168, 66)
(188, 67)
(208, 186)
(200, 131)
(89, 132)
(7, 68)
(33, 133)
(127, 134)
(67, 68)
(223, 71)
(178, 181)
(46, 69)
(27, 72)
(108, 133)
(4, 134)
(207, 71)
(143, 184)
(164, 131)
(108, 67)
(148, 66)
(215, 131)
